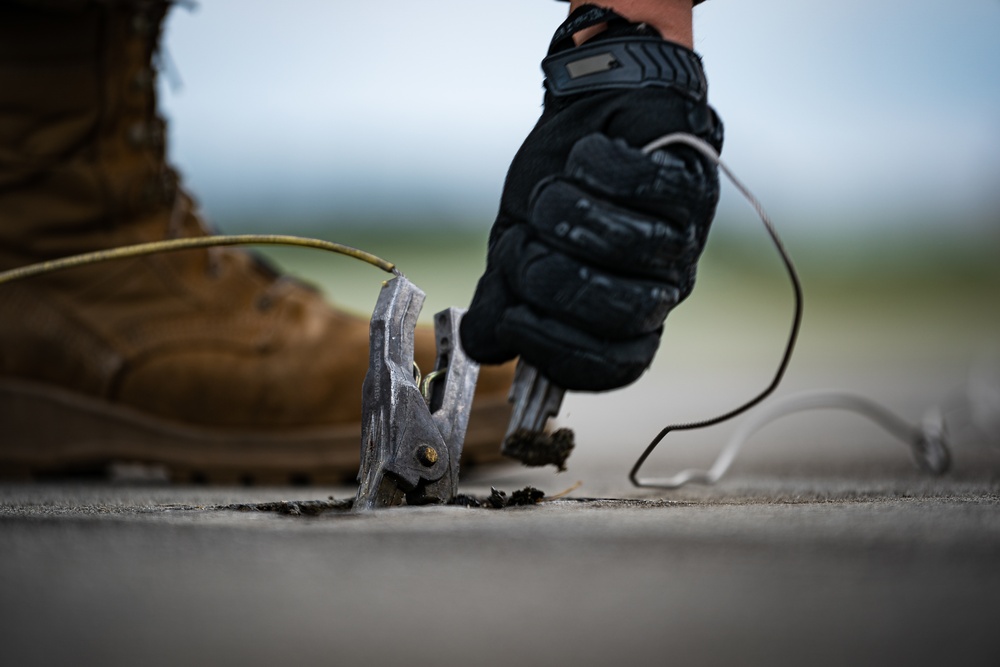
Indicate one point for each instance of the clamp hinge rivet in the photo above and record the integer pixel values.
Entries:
(427, 455)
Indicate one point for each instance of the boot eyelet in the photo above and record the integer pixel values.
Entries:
(214, 268)
(148, 192)
(157, 134)
(143, 80)
(141, 25)
(137, 135)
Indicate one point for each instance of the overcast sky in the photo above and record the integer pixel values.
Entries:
(849, 111)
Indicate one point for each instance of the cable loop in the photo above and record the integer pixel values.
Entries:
(709, 152)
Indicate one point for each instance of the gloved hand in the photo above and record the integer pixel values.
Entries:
(596, 242)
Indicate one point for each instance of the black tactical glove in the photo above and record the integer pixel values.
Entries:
(595, 241)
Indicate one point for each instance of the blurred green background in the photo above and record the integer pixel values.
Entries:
(875, 298)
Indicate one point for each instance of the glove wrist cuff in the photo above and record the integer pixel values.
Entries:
(622, 63)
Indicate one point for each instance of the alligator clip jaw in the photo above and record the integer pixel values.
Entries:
(535, 400)
(412, 435)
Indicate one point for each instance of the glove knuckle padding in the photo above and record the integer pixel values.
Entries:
(600, 303)
(610, 236)
(676, 185)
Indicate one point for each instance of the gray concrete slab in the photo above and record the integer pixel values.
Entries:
(126, 575)
(823, 546)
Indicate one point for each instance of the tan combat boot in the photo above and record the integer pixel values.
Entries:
(206, 362)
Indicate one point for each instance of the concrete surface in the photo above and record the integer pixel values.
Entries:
(823, 546)
(117, 575)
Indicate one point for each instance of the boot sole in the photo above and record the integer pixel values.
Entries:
(49, 431)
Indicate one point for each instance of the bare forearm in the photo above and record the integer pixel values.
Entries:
(672, 18)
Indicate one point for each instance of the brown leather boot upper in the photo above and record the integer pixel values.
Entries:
(211, 338)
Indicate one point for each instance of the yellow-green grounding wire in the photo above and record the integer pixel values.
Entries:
(170, 245)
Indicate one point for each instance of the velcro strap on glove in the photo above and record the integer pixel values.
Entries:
(629, 62)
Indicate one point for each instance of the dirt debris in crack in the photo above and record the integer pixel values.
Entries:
(536, 449)
(497, 500)
(294, 507)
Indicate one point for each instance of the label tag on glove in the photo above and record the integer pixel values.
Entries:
(592, 65)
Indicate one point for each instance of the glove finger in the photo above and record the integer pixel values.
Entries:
(478, 326)
(675, 183)
(573, 359)
(598, 302)
(620, 239)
